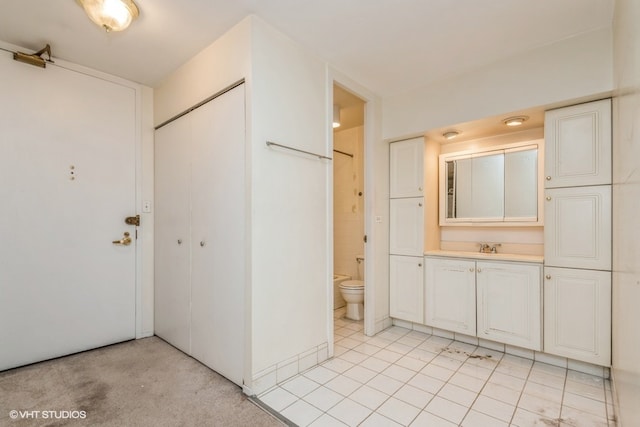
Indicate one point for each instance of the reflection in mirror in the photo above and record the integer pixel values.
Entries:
(487, 187)
(520, 187)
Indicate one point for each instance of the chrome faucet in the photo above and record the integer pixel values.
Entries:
(486, 249)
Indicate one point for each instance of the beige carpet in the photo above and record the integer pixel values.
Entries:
(145, 382)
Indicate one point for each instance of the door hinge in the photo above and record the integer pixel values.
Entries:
(365, 238)
(133, 220)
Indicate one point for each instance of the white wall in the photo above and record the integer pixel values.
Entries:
(348, 206)
(290, 209)
(571, 69)
(626, 206)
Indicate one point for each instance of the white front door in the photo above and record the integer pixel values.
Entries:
(67, 182)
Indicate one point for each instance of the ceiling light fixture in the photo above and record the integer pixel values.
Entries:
(112, 15)
(515, 121)
(450, 134)
(336, 116)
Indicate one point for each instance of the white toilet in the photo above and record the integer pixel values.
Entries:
(353, 293)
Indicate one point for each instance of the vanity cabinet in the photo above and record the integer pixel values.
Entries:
(406, 288)
(509, 303)
(406, 168)
(450, 294)
(498, 301)
(578, 145)
(406, 235)
(577, 233)
(577, 314)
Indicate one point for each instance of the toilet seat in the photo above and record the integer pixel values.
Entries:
(352, 284)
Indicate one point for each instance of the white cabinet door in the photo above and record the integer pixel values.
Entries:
(406, 288)
(450, 294)
(406, 236)
(509, 303)
(578, 145)
(406, 168)
(577, 232)
(577, 314)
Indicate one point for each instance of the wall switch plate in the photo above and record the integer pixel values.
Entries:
(146, 206)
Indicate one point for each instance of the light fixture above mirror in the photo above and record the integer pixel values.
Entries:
(515, 120)
(450, 134)
(112, 15)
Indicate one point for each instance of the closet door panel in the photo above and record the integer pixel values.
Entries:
(172, 233)
(218, 230)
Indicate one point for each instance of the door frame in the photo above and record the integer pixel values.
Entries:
(143, 175)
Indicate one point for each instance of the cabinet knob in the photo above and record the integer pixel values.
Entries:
(420, 265)
(548, 198)
(479, 270)
(202, 243)
(420, 204)
(548, 277)
(179, 241)
(471, 269)
(419, 188)
(548, 178)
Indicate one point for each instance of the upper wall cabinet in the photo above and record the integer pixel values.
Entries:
(500, 185)
(578, 145)
(406, 168)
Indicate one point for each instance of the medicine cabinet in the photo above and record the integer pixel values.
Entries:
(498, 185)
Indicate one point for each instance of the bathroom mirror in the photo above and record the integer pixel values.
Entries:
(497, 185)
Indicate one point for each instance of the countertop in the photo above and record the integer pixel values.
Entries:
(538, 259)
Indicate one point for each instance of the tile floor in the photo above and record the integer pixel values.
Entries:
(406, 378)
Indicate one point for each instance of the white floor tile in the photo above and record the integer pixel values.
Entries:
(494, 408)
(388, 355)
(546, 408)
(447, 409)
(343, 385)
(369, 397)
(426, 419)
(300, 386)
(399, 348)
(302, 413)
(458, 394)
(385, 384)
(547, 379)
(501, 393)
(375, 364)
(377, 420)
(360, 374)
(422, 355)
(353, 357)
(468, 382)
(543, 391)
(339, 350)
(475, 371)
(327, 420)
(591, 406)
(398, 411)
(447, 362)
(323, 398)
(596, 393)
(549, 369)
(577, 417)
(338, 365)
(524, 418)
(320, 374)
(349, 412)
(278, 398)
(583, 378)
(411, 363)
(413, 396)
(426, 383)
(507, 381)
(477, 419)
(399, 373)
(513, 370)
(368, 349)
(516, 361)
(438, 372)
(410, 341)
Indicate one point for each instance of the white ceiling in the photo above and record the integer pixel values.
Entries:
(389, 46)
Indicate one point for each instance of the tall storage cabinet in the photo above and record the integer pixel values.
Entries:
(406, 230)
(200, 233)
(577, 254)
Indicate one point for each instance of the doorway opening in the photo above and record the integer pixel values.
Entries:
(349, 284)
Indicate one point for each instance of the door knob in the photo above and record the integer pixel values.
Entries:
(125, 241)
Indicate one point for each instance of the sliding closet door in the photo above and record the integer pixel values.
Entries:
(218, 231)
(173, 233)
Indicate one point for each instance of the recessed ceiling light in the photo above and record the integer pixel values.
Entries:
(450, 134)
(515, 120)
